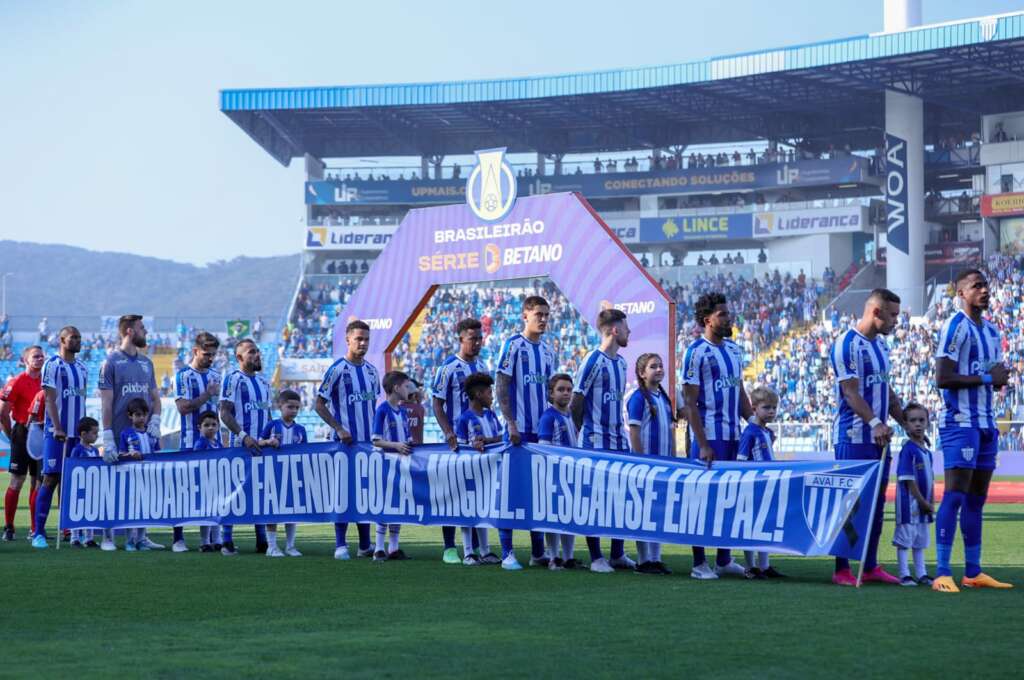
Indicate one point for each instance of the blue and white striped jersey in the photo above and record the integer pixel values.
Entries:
(470, 426)
(655, 428)
(250, 395)
(756, 444)
(133, 441)
(190, 384)
(529, 365)
(854, 356)
(285, 433)
(391, 424)
(602, 382)
(448, 382)
(68, 381)
(205, 444)
(975, 350)
(557, 428)
(718, 371)
(914, 463)
(350, 391)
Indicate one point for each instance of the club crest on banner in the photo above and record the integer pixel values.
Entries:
(491, 188)
(827, 501)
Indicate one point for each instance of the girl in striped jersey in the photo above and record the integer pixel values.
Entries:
(557, 429)
(649, 415)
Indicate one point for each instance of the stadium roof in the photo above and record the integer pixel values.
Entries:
(821, 93)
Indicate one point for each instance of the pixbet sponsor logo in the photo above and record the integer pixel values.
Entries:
(365, 395)
(133, 388)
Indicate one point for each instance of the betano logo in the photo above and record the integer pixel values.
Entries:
(491, 187)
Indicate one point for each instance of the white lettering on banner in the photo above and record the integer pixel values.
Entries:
(489, 231)
(633, 308)
(487, 498)
(551, 252)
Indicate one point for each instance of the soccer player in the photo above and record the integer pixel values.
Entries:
(128, 374)
(525, 364)
(477, 426)
(757, 444)
(558, 429)
(88, 432)
(15, 402)
(196, 388)
(649, 413)
(284, 431)
(915, 497)
(391, 432)
(968, 369)
(64, 378)
(449, 400)
(715, 401)
(597, 410)
(245, 411)
(346, 402)
(860, 362)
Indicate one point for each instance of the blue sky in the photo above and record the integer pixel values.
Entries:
(112, 138)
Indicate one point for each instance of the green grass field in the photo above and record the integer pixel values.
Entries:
(88, 614)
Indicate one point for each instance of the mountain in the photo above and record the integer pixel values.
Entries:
(74, 285)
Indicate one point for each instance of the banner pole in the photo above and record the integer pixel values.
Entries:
(874, 505)
(60, 485)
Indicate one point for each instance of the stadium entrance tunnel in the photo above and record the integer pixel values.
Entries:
(555, 236)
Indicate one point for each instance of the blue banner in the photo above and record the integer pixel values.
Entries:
(805, 508)
(344, 191)
(696, 227)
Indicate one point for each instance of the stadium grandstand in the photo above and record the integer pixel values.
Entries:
(764, 175)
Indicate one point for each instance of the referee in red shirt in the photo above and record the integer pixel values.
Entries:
(15, 403)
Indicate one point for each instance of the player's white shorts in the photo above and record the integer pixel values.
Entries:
(912, 536)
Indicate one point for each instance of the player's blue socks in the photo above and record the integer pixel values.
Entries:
(871, 558)
(970, 525)
(618, 548)
(537, 544)
(43, 500)
(179, 534)
(505, 535)
(227, 533)
(448, 534)
(723, 556)
(945, 530)
(699, 557)
(340, 529)
(594, 546)
(261, 533)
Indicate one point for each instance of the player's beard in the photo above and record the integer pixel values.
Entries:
(139, 342)
(256, 366)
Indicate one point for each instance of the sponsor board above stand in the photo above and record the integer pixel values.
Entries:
(362, 237)
(852, 169)
(754, 225)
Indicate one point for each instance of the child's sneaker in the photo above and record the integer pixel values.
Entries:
(396, 555)
(75, 543)
(292, 552)
(490, 559)
(273, 551)
(755, 574)
(772, 572)
(91, 543)
(510, 563)
(227, 549)
(380, 556)
(471, 560)
(556, 564)
(129, 546)
(341, 553)
(206, 548)
(908, 581)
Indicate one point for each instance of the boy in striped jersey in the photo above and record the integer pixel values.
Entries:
(196, 388)
(64, 378)
(597, 410)
(478, 427)
(346, 401)
(715, 401)
(757, 444)
(525, 365)
(968, 369)
(450, 400)
(860, 362)
(245, 410)
(649, 414)
(557, 429)
(391, 433)
(284, 431)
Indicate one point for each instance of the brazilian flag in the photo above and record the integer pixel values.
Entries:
(239, 328)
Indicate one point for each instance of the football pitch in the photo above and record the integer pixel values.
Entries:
(86, 613)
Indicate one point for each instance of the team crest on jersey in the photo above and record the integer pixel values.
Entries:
(828, 500)
(967, 453)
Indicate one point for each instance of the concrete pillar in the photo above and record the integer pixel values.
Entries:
(904, 191)
(424, 167)
(541, 164)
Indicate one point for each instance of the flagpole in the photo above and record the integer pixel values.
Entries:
(63, 460)
(871, 517)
